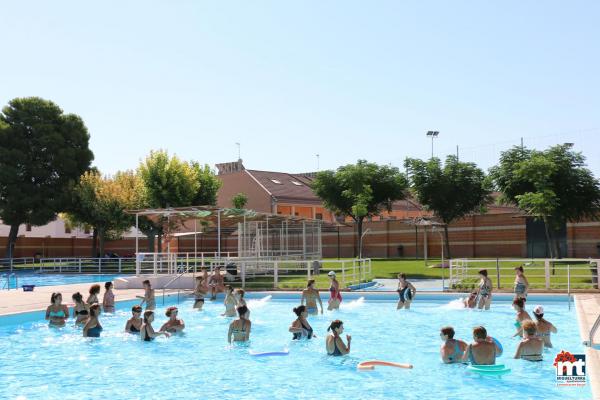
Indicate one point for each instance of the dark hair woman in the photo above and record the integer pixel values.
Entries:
(522, 315)
(484, 292)
(93, 297)
(174, 324)
(134, 324)
(108, 301)
(92, 327)
(80, 311)
(311, 296)
(147, 332)
(300, 327)
(239, 330)
(57, 313)
(334, 343)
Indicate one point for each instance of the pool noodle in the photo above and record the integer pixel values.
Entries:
(269, 353)
(369, 365)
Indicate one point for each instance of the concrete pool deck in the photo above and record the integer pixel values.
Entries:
(587, 307)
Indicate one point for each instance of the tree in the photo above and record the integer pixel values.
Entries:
(450, 192)
(208, 185)
(42, 154)
(553, 186)
(360, 190)
(100, 202)
(239, 200)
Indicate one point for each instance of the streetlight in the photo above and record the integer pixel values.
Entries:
(361, 242)
(318, 161)
(433, 135)
(442, 242)
(239, 152)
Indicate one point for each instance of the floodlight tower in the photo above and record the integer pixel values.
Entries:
(433, 135)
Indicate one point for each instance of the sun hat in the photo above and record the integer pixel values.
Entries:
(331, 273)
(538, 310)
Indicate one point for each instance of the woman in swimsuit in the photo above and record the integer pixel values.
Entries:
(230, 302)
(407, 292)
(134, 324)
(148, 297)
(335, 297)
(484, 292)
(522, 315)
(471, 301)
(147, 333)
(334, 343)
(93, 297)
(80, 311)
(174, 324)
(452, 350)
(483, 350)
(108, 301)
(311, 296)
(239, 297)
(300, 327)
(531, 346)
(57, 313)
(544, 327)
(199, 293)
(239, 330)
(92, 327)
(216, 284)
(521, 283)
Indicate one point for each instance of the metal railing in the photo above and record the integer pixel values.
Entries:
(6, 284)
(590, 341)
(566, 273)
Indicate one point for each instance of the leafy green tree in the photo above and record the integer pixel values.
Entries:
(451, 191)
(43, 152)
(360, 190)
(209, 185)
(101, 202)
(553, 186)
(239, 200)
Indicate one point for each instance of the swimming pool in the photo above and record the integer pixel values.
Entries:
(32, 278)
(45, 363)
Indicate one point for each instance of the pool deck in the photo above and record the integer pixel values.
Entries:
(16, 301)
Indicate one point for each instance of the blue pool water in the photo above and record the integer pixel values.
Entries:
(32, 278)
(38, 362)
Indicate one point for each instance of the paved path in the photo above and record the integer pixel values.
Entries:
(588, 309)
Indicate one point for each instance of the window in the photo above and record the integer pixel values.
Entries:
(296, 183)
(276, 181)
(319, 216)
(28, 227)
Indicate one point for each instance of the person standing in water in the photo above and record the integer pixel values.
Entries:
(471, 301)
(406, 291)
(216, 284)
(521, 283)
(230, 302)
(93, 297)
(335, 297)
(134, 324)
(484, 292)
(174, 324)
(92, 327)
(300, 327)
(452, 350)
(544, 327)
(483, 350)
(199, 293)
(531, 347)
(108, 301)
(57, 313)
(334, 344)
(522, 315)
(239, 330)
(80, 311)
(310, 295)
(148, 297)
(147, 332)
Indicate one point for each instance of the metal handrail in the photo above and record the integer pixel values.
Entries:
(7, 284)
(590, 341)
(164, 288)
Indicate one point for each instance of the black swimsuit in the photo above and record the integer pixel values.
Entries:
(147, 338)
(309, 332)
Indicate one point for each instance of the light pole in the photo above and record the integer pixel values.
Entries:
(433, 135)
(361, 242)
(318, 159)
(239, 150)
(442, 242)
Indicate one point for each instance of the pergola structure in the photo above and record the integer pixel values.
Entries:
(260, 235)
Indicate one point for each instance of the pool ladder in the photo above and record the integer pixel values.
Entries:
(590, 342)
(6, 284)
(178, 276)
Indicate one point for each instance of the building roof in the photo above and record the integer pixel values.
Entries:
(286, 187)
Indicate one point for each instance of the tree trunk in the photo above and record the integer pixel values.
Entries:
(95, 243)
(101, 239)
(359, 229)
(12, 238)
(446, 244)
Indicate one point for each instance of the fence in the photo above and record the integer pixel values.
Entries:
(546, 273)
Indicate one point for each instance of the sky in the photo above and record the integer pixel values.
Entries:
(346, 80)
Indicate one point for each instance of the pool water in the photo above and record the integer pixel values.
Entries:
(38, 362)
(32, 278)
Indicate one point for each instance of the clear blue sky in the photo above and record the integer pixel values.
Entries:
(288, 80)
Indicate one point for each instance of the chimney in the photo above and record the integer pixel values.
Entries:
(230, 167)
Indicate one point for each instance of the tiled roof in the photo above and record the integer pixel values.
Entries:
(281, 185)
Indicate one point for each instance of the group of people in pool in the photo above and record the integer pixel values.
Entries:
(535, 335)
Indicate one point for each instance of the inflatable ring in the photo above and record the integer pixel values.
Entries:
(491, 370)
(498, 344)
(369, 365)
(269, 353)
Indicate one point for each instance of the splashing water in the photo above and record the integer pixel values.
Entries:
(259, 303)
(456, 304)
(351, 305)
